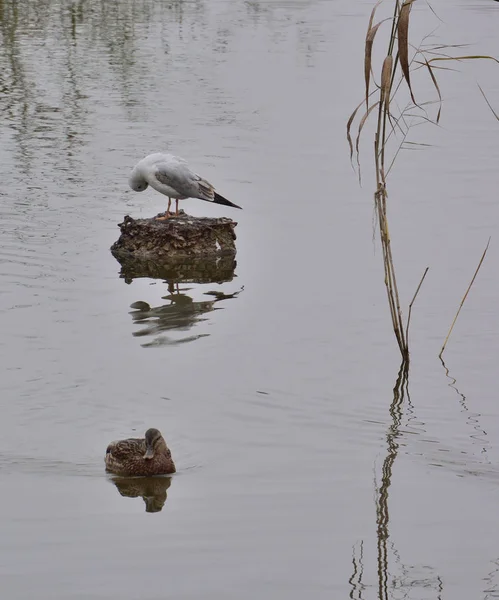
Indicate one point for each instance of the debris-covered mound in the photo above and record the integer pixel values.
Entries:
(176, 237)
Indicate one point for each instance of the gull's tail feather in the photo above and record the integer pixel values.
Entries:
(221, 200)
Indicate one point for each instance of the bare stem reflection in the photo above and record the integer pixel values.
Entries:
(355, 581)
(400, 390)
(394, 578)
(151, 489)
(478, 434)
(181, 312)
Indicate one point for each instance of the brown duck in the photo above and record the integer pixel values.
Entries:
(140, 457)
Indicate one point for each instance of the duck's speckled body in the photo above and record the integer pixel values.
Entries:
(140, 457)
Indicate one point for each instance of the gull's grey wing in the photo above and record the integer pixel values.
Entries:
(177, 175)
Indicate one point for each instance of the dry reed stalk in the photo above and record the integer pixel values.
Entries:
(488, 103)
(397, 66)
(397, 318)
(394, 305)
(412, 302)
(464, 298)
(380, 201)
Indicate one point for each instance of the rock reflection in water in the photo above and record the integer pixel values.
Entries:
(151, 489)
(181, 312)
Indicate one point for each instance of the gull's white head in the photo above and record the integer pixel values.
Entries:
(137, 180)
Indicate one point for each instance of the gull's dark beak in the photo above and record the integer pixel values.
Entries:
(149, 453)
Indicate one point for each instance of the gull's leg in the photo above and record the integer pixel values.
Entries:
(167, 214)
(176, 207)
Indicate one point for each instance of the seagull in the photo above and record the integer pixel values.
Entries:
(170, 175)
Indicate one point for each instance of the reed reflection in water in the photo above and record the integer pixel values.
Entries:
(393, 575)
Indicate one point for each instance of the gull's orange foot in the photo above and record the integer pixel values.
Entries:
(167, 215)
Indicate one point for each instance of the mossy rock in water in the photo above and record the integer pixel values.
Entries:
(176, 237)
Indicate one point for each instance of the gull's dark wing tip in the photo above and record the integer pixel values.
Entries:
(221, 200)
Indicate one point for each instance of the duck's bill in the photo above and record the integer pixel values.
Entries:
(221, 200)
(149, 453)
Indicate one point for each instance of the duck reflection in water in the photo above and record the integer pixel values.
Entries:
(151, 489)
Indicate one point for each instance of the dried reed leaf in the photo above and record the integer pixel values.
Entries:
(442, 46)
(434, 53)
(349, 125)
(373, 12)
(431, 8)
(386, 79)
(361, 125)
(459, 58)
(488, 103)
(434, 67)
(368, 56)
(428, 102)
(412, 302)
(371, 21)
(403, 41)
(464, 299)
(435, 83)
(423, 120)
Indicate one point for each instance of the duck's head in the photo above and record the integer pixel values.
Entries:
(154, 442)
(137, 181)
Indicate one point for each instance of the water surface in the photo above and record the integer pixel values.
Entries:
(300, 471)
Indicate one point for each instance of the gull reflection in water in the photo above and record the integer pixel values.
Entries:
(185, 279)
(151, 489)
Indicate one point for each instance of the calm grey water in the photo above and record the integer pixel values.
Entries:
(299, 470)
